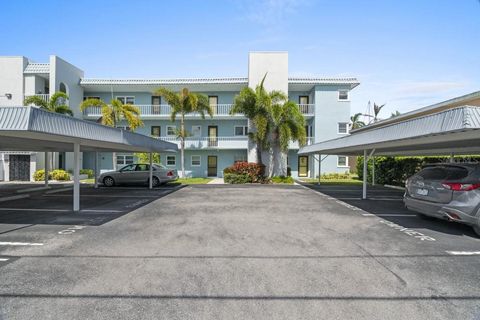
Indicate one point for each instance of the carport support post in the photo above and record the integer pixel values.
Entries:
(373, 171)
(319, 168)
(46, 169)
(95, 173)
(150, 172)
(76, 176)
(365, 159)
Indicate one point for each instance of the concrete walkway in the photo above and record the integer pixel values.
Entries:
(217, 181)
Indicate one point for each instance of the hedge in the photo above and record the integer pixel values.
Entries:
(234, 178)
(395, 170)
(254, 172)
(57, 174)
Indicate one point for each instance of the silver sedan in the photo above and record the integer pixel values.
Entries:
(138, 173)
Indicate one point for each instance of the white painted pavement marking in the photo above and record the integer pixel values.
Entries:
(101, 196)
(57, 210)
(464, 253)
(407, 231)
(3, 259)
(396, 215)
(20, 244)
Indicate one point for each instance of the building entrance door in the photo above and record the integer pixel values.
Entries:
(302, 166)
(19, 168)
(212, 166)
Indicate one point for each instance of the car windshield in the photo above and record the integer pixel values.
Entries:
(159, 166)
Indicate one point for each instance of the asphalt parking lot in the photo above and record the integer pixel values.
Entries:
(247, 252)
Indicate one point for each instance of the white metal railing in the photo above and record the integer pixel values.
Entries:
(307, 109)
(164, 110)
(44, 97)
(295, 145)
(234, 142)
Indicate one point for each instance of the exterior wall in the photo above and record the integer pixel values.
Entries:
(329, 111)
(11, 80)
(5, 163)
(145, 98)
(34, 84)
(62, 71)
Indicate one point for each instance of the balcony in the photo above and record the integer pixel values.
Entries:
(163, 111)
(294, 144)
(235, 142)
(44, 97)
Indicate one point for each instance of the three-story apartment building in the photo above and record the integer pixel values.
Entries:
(214, 142)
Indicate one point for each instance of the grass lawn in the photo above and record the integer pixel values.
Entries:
(88, 180)
(193, 180)
(341, 182)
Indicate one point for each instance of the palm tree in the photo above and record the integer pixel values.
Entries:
(253, 104)
(115, 112)
(286, 123)
(355, 121)
(376, 111)
(395, 114)
(56, 103)
(183, 103)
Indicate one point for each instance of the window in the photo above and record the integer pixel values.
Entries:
(241, 130)
(197, 131)
(156, 100)
(171, 161)
(142, 167)
(91, 97)
(303, 100)
(342, 94)
(309, 131)
(196, 161)
(240, 158)
(343, 127)
(213, 102)
(171, 131)
(155, 131)
(123, 159)
(342, 161)
(126, 99)
(128, 168)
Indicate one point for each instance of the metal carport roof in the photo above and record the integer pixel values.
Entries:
(34, 129)
(454, 130)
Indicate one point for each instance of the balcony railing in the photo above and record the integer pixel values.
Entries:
(44, 97)
(295, 145)
(164, 110)
(234, 142)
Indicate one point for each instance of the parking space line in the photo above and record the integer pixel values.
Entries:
(34, 209)
(101, 196)
(464, 253)
(396, 215)
(3, 259)
(20, 244)
(100, 210)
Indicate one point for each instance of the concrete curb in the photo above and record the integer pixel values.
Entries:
(20, 196)
(394, 187)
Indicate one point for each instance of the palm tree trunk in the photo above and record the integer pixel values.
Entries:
(182, 145)
(279, 160)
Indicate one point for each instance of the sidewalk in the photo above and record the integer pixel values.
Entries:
(217, 181)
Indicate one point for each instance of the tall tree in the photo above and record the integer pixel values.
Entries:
(183, 103)
(254, 105)
(56, 103)
(286, 123)
(355, 121)
(376, 110)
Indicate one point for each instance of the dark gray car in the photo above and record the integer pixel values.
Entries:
(446, 191)
(138, 173)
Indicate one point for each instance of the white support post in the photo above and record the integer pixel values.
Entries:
(452, 159)
(76, 177)
(46, 169)
(95, 171)
(150, 173)
(373, 171)
(365, 160)
(319, 168)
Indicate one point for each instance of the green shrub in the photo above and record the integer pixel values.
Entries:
(395, 170)
(234, 178)
(337, 176)
(60, 175)
(39, 175)
(282, 179)
(254, 171)
(88, 172)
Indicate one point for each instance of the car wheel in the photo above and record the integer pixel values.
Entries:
(108, 182)
(476, 228)
(155, 182)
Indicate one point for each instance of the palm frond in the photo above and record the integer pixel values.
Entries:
(35, 100)
(91, 103)
(58, 98)
(63, 109)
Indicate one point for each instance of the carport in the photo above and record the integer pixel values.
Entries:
(450, 132)
(34, 129)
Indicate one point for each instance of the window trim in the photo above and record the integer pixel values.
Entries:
(199, 160)
(125, 98)
(300, 99)
(346, 127)
(174, 159)
(348, 95)
(171, 135)
(346, 162)
(159, 131)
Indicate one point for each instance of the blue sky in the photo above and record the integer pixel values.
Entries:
(406, 54)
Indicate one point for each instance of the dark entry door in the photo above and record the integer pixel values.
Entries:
(212, 166)
(212, 136)
(303, 166)
(19, 167)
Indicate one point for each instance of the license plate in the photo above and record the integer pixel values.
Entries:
(422, 192)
